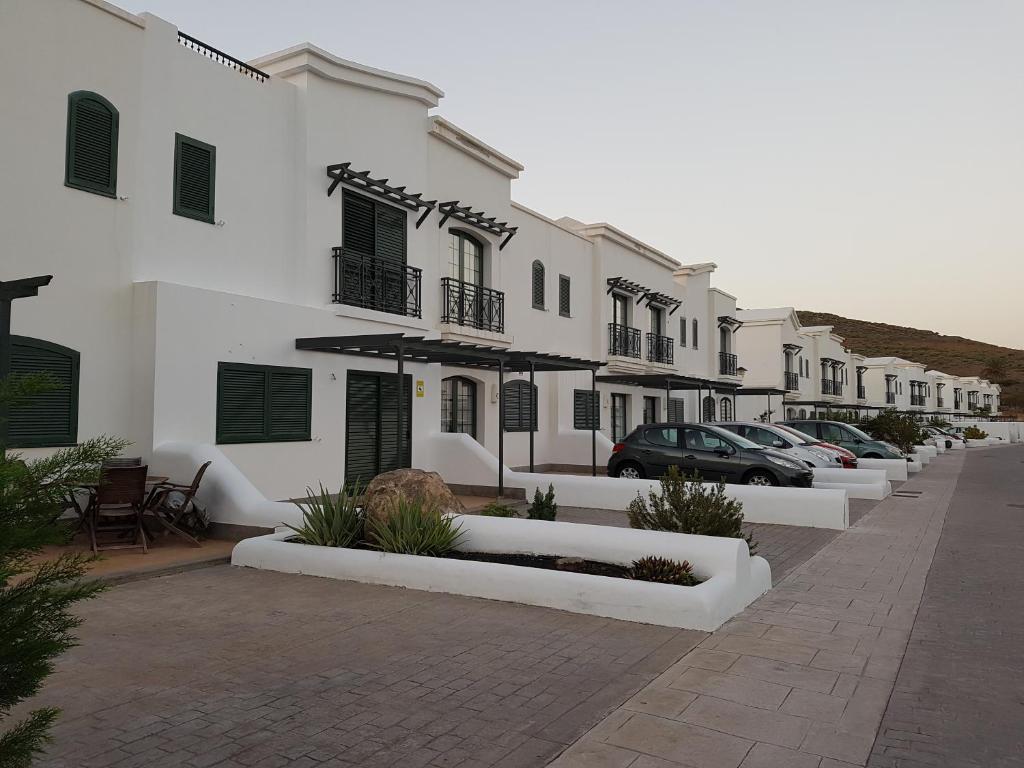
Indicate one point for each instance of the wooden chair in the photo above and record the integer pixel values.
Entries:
(168, 503)
(117, 506)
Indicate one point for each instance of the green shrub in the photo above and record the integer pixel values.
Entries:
(900, 429)
(973, 433)
(495, 509)
(412, 529)
(939, 423)
(543, 506)
(330, 521)
(686, 505)
(663, 571)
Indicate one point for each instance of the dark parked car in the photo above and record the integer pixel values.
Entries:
(717, 454)
(849, 437)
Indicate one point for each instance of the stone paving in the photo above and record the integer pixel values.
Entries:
(959, 696)
(802, 678)
(233, 667)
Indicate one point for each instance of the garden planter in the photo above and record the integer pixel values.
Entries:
(732, 579)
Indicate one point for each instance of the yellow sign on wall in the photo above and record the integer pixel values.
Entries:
(419, 387)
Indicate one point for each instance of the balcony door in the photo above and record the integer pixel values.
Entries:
(657, 321)
(620, 309)
(465, 258)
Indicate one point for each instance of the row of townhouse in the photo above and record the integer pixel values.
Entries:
(296, 260)
(814, 373)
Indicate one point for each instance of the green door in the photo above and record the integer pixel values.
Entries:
(372, 445)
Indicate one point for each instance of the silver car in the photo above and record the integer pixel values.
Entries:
(772, 436)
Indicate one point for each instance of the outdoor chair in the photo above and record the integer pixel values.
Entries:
(171, 503)
(117, 506)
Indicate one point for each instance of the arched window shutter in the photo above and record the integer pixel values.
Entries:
(49, 418)
(538, 285)
(91, 160)
(520, 415)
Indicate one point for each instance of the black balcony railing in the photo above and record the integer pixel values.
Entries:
(222, 58)
(623, 341)
(726, 364)
(469, 304)
(862, 392)
(792, 382)
(830, 387)
(660, 348)
(365, 281)
(890, 398)
(917, 399)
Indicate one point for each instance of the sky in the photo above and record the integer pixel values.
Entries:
(862, 157)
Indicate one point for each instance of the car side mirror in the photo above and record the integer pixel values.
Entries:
(779, 444)
(725, 452)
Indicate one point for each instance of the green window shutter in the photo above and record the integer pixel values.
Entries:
(195, 171)
(538, 285)
(563, 295)
(390, 230)
(586, 409)
(291, 392)
(358, 233)
(49, 418)
(91, 159)
(519, 413)
(676, 412)
(682, 331)
(263, 403)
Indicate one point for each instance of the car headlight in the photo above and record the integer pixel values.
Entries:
(823, 456)
(782, 462)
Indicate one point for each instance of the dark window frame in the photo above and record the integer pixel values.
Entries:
(178, 209)
(564, 296)
(267, 435)
(71, 178)
(455, 397)
(696, 330)
(538, 291)
(682, 331)
(52, 439)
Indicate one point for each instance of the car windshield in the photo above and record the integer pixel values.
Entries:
(732, 437)
(857, 433)
(803, 437)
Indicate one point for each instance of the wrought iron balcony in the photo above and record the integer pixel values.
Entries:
(890, 398)
(623, 341)
(469, 304)
(917, 399)
(660, 349)
(831, 387)
(372, 283)
(862, 392)
(726, 364)
(792, 381)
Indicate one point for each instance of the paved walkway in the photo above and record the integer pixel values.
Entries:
(232, 667)
(959, 696)
(802, 678)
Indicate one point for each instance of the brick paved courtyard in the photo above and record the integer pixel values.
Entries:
(234, 667)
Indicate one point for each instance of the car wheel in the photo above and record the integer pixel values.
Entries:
(630, 471)
(760, 477)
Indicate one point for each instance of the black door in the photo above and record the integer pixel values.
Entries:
(371, 425)
(650, 410)
(708, 454)
(659, 450)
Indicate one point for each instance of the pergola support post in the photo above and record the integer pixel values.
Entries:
(533, 410)
(401, 407)
(595, 407)
(501, 428)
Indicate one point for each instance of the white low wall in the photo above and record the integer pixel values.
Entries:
(895, 469)
(982, 443)
(914, 466)
(858, 483)
(813, 507)
(928, 450)
(733, 578)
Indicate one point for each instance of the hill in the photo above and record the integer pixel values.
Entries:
(950, 354)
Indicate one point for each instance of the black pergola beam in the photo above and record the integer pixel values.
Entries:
(626, 286)
(343, 173)
(478, 219)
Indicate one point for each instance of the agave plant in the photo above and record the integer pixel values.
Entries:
(330, 520)
(663, 571)
(412, 529)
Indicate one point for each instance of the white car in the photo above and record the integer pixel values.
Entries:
(772, 436)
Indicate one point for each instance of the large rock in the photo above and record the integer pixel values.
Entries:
(384, 490)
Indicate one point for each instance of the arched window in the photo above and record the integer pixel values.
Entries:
(49, 418)
(790, 413)
(520, 414)
(726, 409)
(465, 258)
(538, 285)
(709, 408)
(696, 327)
(91, 159)
(803, 413)
(458, 405)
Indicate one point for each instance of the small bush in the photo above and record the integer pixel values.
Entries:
(494, 509)
(686, 505)
(973, 433)
(330, 521)
(900, 429)
(543, 506)
(412, 529)
(663, 571)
